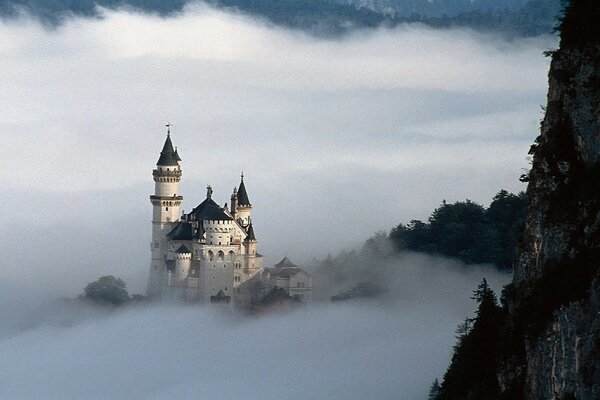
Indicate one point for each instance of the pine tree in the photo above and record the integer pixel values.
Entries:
(472, 372)
(434, 390)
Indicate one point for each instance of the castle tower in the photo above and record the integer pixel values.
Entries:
(165, 210)
(244, 208)
(250, 242)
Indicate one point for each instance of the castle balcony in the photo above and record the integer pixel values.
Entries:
(166, 201)
(166, 198)
(176, 173)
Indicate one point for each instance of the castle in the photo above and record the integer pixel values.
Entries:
(210, 254)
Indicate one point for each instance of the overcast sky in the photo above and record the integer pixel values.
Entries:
(337, 138)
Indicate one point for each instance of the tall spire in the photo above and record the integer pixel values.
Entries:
(242, 195)
(251, 235)
(168, 155)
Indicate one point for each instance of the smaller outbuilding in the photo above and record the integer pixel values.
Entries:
(288, 276)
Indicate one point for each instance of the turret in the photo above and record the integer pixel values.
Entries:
(167, 175)
(243, 208)
(183, 259)
(165, 209)
(250, 241)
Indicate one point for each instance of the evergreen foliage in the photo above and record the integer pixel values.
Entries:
(108, 290)
(277, 295)
(472, 372)
(468, 231)
(434, 390)
(580, 25)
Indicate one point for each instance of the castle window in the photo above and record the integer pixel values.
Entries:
(166, 208)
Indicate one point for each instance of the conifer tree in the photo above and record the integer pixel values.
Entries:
(434, 390)
(472, 372)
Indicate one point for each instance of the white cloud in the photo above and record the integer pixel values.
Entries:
(389, 348)
(371, 129)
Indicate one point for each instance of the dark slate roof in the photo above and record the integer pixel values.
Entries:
(182, 249)
(168, 155)
(209, 210)
(286, 263)
(182, 231)
(199, 234)
(250, 233)
(242, 195)
(176, 155)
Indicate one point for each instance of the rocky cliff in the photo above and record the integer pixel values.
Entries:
(553, 303)
(545, 341)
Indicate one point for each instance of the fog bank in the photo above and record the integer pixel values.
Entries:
(386, 348)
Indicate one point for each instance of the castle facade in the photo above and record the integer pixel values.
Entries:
(209, 254)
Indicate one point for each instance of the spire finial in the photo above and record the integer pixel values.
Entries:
(209, 192)
(169, 125)
(242, 176)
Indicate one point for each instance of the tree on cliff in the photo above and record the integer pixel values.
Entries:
(468, 231)
(472, 372)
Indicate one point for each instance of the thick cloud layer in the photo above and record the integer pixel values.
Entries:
(387, 348)
(338, 139)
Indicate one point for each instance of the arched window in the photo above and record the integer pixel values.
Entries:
(231, 255)
(211, 255)
(221, 255)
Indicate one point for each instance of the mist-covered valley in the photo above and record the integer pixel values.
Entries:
(390, 347)
(338, 139)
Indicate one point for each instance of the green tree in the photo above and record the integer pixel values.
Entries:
(434, 390)
(468, 231)
(474, 365)
(107, 289)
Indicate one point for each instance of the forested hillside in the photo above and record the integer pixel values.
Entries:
(468, 231)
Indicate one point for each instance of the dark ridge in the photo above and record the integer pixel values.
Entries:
(580, 25)
(326, 18)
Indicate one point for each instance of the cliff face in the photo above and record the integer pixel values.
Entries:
(554, 303)
(563, 214)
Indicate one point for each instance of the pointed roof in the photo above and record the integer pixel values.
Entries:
(182, 249)
(182, 231)
(176, 155)
(286, 263)
(242, 195)
(250, 233)
(168, 155)
(209, 210)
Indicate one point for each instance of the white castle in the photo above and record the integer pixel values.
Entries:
(210, 254)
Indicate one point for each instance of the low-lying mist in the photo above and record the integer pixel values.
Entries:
(389, 347)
